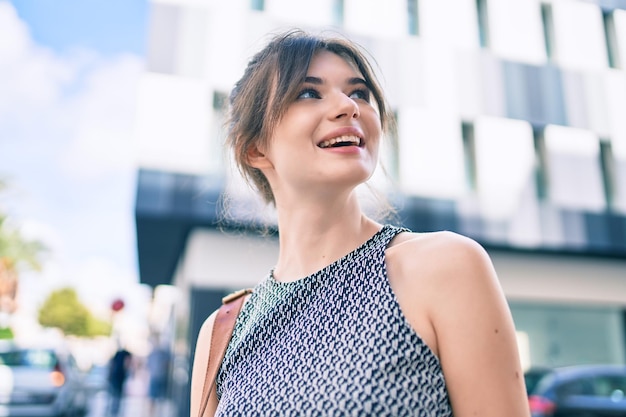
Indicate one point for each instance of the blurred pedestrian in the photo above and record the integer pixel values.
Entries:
(356, 317)
(119, 370)
(158, 365)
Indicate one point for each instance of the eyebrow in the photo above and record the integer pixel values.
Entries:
(351, 81)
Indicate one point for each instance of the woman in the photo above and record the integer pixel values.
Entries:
(356, 318)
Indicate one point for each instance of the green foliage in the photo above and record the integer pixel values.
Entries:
(17, 251)
(98, 327)
(63, 309)
(6, 333)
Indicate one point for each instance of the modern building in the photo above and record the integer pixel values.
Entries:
(511, 130)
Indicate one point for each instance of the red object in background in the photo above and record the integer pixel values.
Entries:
(117, 305)
(541, 405)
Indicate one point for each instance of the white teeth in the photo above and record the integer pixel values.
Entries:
(354, 140)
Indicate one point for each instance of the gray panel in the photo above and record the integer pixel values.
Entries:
(610, 4)
(162, 38)
(493, 84)
(516, 90)
(574, 229)
(597, 231)
(619, 178)
(575, 99)
(551, 89)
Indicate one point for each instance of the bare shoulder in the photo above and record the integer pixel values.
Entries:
(449, 290)
(442, 254)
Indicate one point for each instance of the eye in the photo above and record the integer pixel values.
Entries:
(308, 93)
(362, 94)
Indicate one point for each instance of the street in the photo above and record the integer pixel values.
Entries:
(135, 402)
(132, 406)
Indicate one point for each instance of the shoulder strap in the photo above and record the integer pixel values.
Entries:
(223, 327)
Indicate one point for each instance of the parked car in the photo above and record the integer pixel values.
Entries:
(40, 382)
(582, 390)
(533, 375)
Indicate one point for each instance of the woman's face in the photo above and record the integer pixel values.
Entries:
(328, 138)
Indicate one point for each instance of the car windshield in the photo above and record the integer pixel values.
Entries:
(532, 378)
(34, 358)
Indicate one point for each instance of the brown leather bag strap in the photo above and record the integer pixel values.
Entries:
(223, 327)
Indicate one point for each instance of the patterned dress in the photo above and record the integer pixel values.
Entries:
(334, 343)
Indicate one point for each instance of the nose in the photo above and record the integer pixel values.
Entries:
(346, 107)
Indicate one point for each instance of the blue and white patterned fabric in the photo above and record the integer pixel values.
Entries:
(332, 344)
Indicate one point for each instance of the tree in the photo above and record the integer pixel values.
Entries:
(16, 253)
(62, 309)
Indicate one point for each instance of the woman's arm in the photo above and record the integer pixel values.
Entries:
(448, 290)
(476, 334)
(200, 363)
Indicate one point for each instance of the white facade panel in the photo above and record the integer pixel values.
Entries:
(319, 12)
(431, 158)
(616, 111)
(505, 165)
(376, 18)
(516, 30)
(574, 173)
(579, 35)
(171, 130)
(451, 22)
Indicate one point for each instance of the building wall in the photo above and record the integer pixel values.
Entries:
(510, 115)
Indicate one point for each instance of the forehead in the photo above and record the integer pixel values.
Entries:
(325, 63)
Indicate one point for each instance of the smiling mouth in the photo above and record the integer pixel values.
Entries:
(347, 140)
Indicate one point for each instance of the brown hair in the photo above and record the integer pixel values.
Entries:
(270, 84)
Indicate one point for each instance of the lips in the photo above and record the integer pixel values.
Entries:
(342, 136)
(344, 140)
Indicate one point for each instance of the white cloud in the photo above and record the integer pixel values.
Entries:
(30, 77)
(83, 99)
(104, 113)
(66, 130)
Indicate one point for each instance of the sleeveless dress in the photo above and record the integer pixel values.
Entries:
(334, 343)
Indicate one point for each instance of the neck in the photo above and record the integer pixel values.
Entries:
(312, 235)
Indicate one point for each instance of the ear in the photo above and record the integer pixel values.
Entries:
(257, 159)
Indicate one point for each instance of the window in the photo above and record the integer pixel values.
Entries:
(217, 131)
(619, 47)
(469, 154)
(541, 177)
(608, 171)
(611, 386)
(413, 17)
(610, 37)
(257, 5)
(548, 29)
(483, 23)
(338, 15)
(582, 386)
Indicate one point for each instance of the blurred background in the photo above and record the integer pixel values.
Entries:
(511, 130)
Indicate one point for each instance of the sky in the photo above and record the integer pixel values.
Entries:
(69, 70)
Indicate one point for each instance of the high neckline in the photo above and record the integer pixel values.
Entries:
(363, 246)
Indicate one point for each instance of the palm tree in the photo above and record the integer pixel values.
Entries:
(16, 253)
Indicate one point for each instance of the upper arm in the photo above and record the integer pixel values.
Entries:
(476, 335)
(200, 362)
(448, 289)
